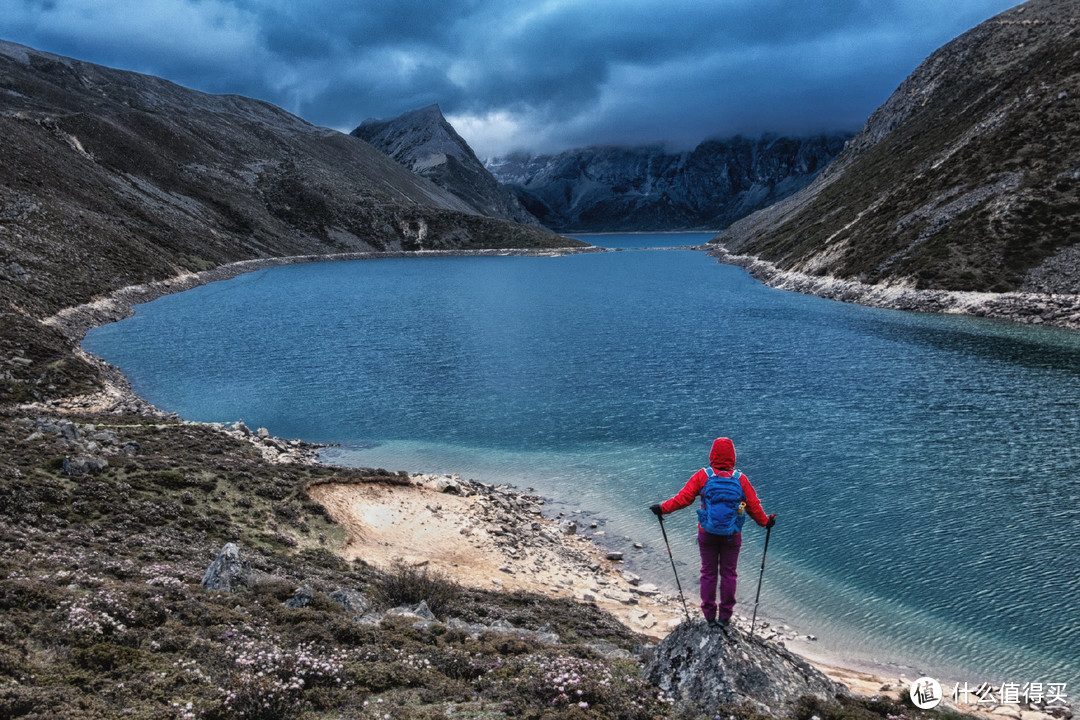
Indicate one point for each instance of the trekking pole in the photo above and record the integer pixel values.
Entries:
(672, 557)
(768, 532)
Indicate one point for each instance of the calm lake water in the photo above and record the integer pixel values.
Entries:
(924, 469)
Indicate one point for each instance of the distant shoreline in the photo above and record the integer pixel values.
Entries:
(75, 321)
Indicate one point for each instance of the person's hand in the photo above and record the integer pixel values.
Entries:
(771, 521)
(657, 510)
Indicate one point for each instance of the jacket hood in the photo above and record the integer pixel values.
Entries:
(722, 457)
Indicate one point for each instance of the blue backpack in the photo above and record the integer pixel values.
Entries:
(721, 499)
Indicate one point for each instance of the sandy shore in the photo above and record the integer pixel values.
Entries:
(494, 537)
(490, 537)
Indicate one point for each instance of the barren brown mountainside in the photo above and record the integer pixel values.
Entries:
(967, 178)
(111, 178)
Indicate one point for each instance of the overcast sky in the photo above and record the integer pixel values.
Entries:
(543, 76)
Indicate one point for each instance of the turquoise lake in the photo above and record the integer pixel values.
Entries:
(925, 470)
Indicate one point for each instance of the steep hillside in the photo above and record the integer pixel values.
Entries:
(111, 178)
(131, 178)
(424, 142)
(967, 178)
(648, 188)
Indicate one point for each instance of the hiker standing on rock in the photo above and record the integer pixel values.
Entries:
(726, 497)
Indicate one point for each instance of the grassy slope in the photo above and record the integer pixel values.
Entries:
(102, 613)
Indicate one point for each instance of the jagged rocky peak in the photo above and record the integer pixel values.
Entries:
(426, 143)
(419, 139)
(966, 178)
(649, 188)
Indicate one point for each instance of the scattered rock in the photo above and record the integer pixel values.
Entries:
(351, 600)
(614, 556)
(630, 577)
(447, 485)
(569, 527)
(301, 598)
(84, 465)
(228, 572)
(609, 649)
(1010, 711)
(645, 621)
(1035, 715)
(420, 611)
(619, 596)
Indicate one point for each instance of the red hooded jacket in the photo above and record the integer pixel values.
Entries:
(722, 461)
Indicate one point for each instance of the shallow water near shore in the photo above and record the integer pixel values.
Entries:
(924, 469)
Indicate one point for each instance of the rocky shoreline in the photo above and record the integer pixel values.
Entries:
(1029, 308)
(117, 396)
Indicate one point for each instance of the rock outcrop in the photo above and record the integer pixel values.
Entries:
(702, 667)
(228, 572)
(424, 142)
(966, 179)
(650, 189)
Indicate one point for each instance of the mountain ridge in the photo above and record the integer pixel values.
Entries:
(648, 188)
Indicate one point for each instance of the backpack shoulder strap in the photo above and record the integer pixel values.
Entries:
(709, 472)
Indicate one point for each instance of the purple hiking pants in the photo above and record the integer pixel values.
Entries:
(719, 557)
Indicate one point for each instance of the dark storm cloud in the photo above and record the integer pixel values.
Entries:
(542, 74)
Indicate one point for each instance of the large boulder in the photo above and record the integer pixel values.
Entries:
(301, 598)
(228, 572)
(351, 600)
(84, 465)
(702, 667)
